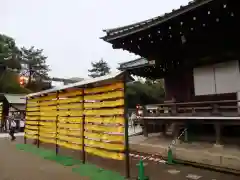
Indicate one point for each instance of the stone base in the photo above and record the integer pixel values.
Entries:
(218, 145)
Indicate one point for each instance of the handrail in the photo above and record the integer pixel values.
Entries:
(195, 103)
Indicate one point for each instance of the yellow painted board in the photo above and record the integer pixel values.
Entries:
(69, 145)
(35, 104)
(70, 119)
(48, 97)
(27, 131)
(105, 154)
(70, 100)
(70, 106)
(48, 108)
(70, 126)
(32, 122)
(32, 118)
(53, 118)
(107, 129)
(118, 102)
(109, 95)
(106, 137)
(33, 113)
(71, 93)
(104, 145)
(49, 113)
(47, 129)
(31, 136)
(106, 112)
(32, 100)
(111, 87)
(105, 120)
(70, 113)
(77, 140)
(51, 124)
(70, 132)
(46, 140)
(31, 127)
(47, 103)
(47, 135)
(29, 109)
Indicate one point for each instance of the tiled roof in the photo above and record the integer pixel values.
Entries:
(15, 98)
(115, 33)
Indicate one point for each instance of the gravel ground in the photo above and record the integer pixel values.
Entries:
(19, 165)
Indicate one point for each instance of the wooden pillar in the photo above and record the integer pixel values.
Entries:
(145, 128)
(186, 133)
(145, 123)
(176, 133)
(164, 129)
(218, 133)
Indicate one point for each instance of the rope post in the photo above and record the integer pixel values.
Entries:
(170, 156)
(141, 173)
(127, 161)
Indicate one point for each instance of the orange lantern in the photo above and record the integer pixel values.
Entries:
(21, 80)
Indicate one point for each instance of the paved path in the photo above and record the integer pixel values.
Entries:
(5, 135)
(19, 165)
(182, 172)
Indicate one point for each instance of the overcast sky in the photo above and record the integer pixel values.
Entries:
(69, 31)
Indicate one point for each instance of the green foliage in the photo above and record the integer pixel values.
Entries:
(9, 83)
(12, 63)
(35, 63)
(9, 53)
(148, 92)
(99, 68)
(36, 69)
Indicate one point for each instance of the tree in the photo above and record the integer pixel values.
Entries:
(10, 54)
(148, 92)
(35, 68)
(99, 68)
(10, 66)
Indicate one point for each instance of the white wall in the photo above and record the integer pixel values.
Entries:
(217, 79)
(204, 81)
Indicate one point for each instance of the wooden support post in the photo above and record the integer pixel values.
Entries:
(163, 129)
(145, 128)
(26, 109)
(215, 110)
(127, 160)
(218, 134)
(57, 117)
(176, 131)
(145, 123)
(186, 133)
(39, 117)
(83, 129)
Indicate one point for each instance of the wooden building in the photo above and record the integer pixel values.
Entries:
(13, 106)
(196, 50)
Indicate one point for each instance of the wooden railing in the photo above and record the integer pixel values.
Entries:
(204, 108)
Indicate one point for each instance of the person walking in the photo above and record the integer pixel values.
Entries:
(12, 129)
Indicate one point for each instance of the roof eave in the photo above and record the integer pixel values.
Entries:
(109, 38)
